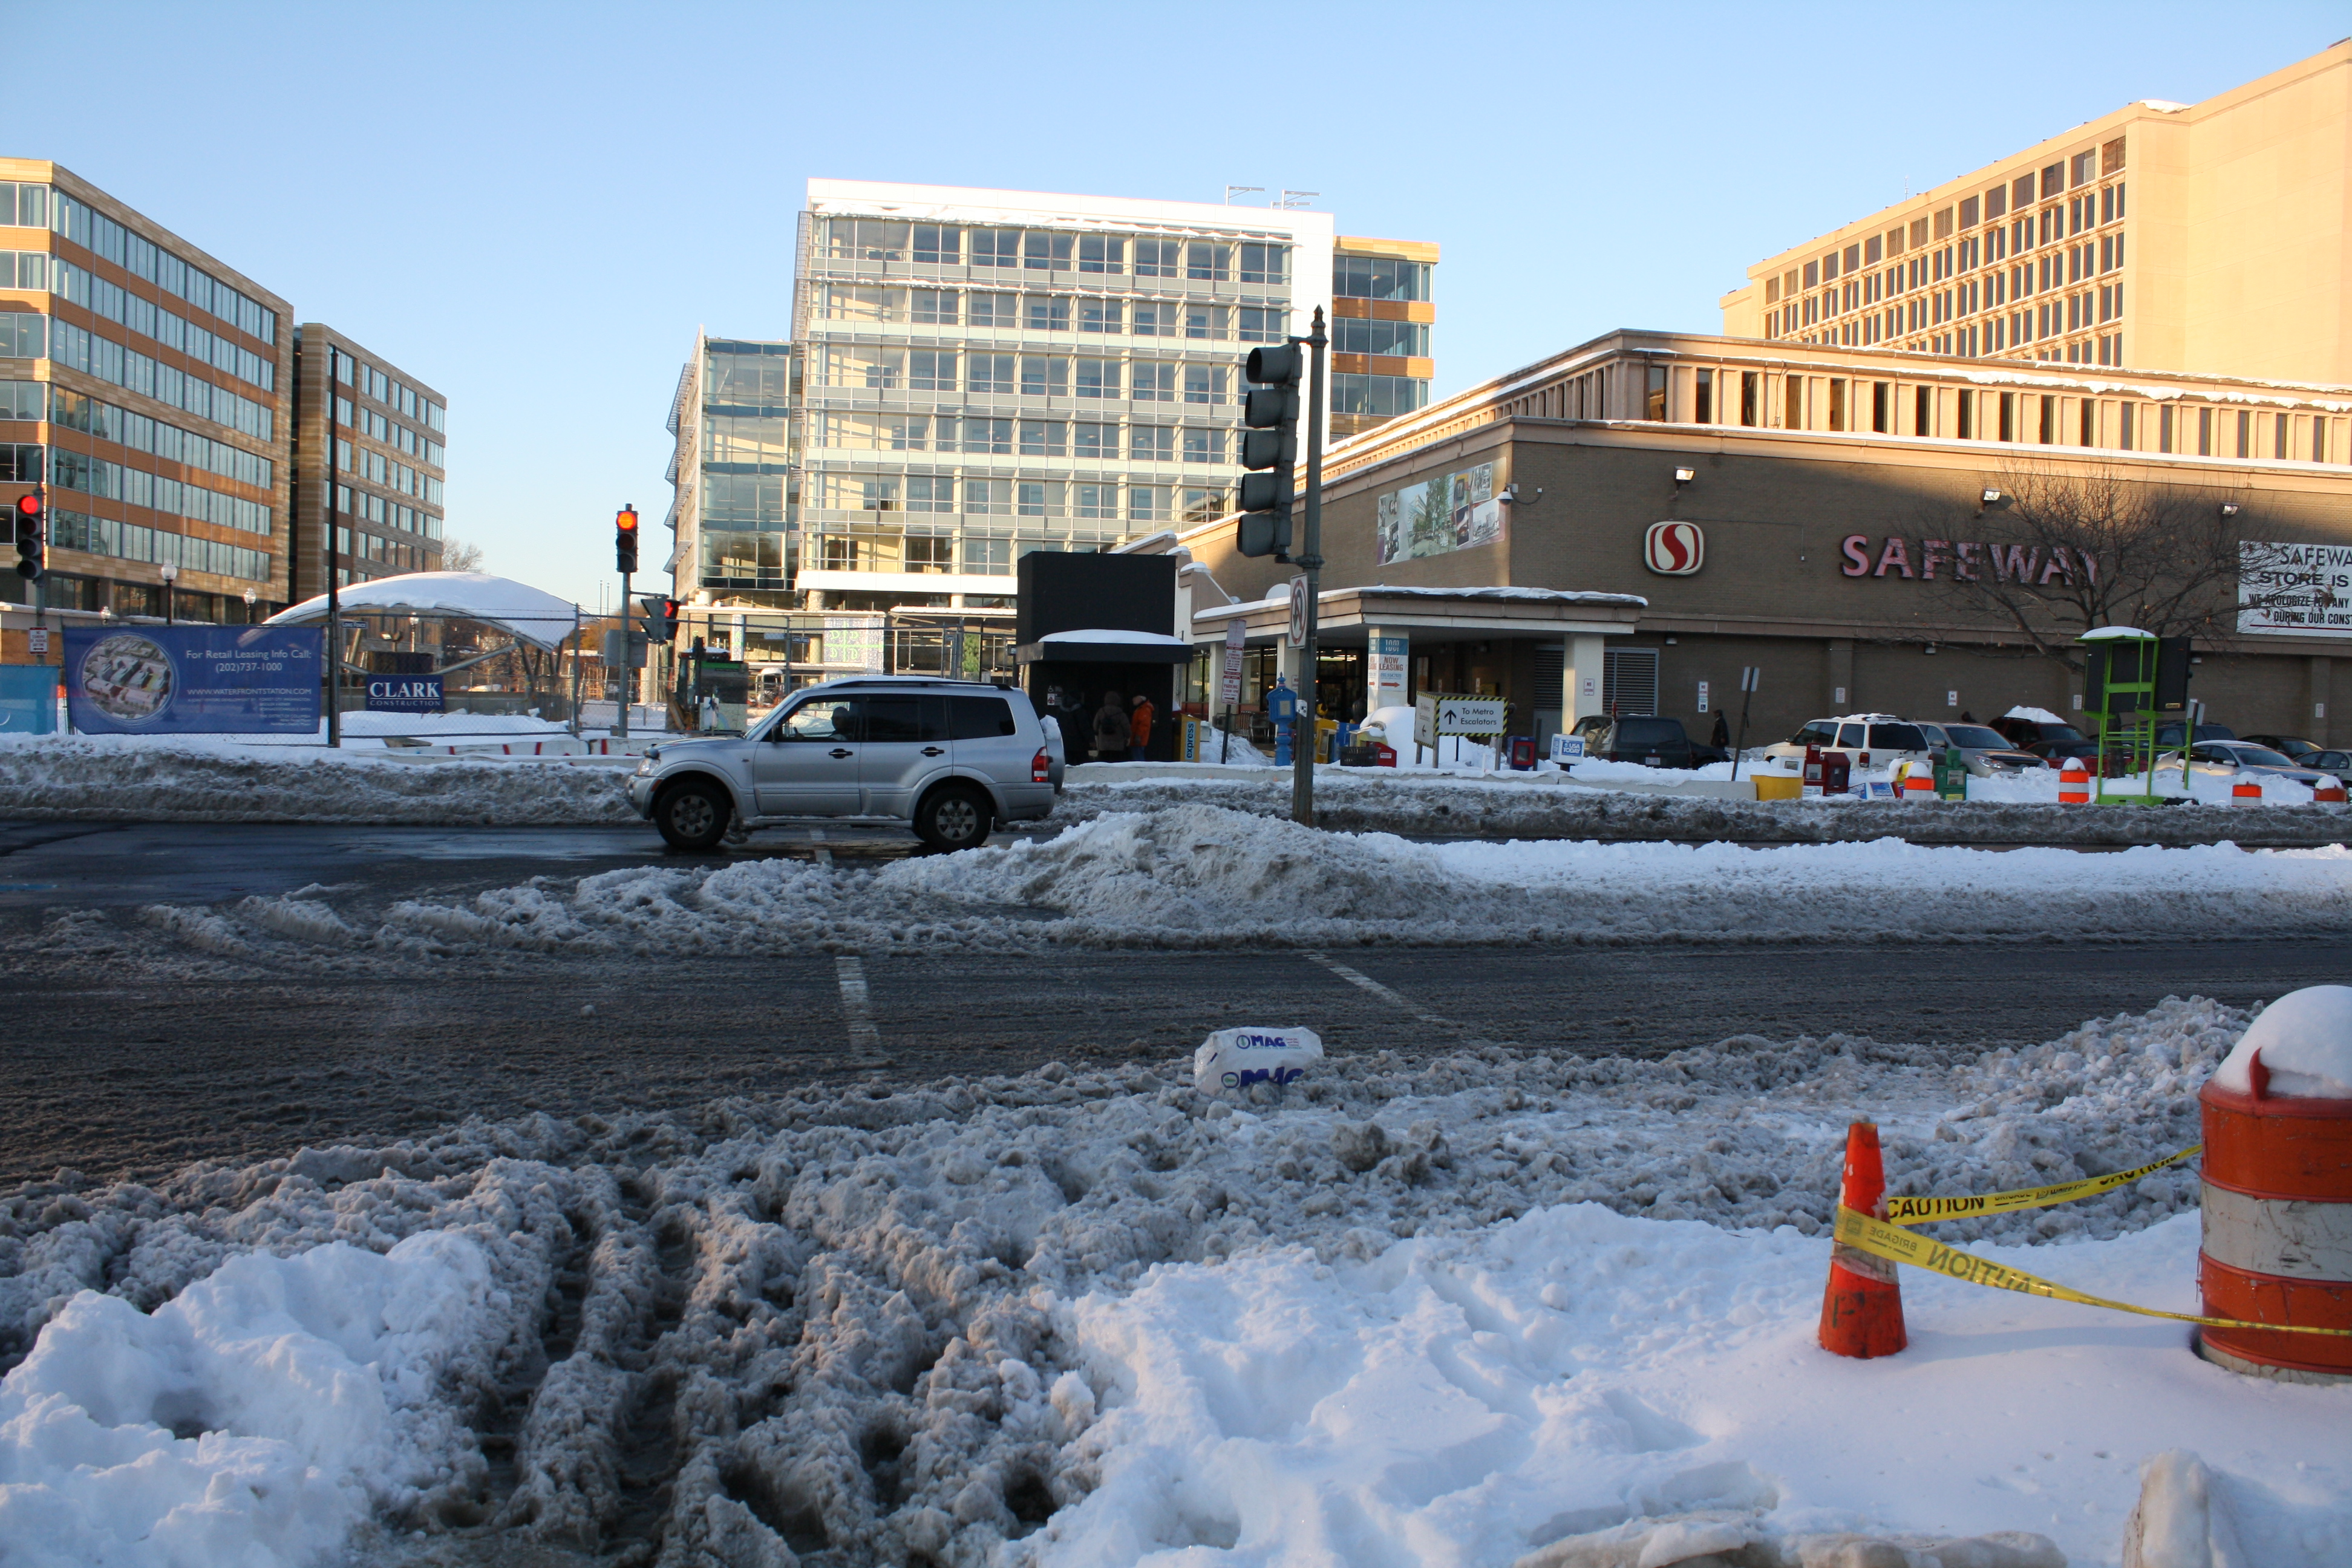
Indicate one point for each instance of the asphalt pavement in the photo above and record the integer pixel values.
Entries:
(115, 1065)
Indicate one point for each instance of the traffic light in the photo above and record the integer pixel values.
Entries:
(32, 544)
(1270, 445)
(661, 618)
(625, 538)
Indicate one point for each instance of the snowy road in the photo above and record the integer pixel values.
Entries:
(144, 1060)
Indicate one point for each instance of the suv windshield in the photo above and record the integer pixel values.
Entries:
(1820, 732)
(1648, 731)
(1976, 736)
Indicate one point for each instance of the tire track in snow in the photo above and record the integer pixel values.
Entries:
(1396, 999)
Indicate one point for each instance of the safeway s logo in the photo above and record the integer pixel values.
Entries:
(1674, 549)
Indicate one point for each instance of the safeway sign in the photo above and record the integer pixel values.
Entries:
(1674, 549)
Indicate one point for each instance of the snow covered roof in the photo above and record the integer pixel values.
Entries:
(2034, 715)
(536, 616)
(1149, 639)
(2106, 633)
(1369, 590)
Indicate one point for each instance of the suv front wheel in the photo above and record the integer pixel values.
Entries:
(954, 816)
(693, 814)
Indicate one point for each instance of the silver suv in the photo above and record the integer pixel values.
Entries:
(952, 758)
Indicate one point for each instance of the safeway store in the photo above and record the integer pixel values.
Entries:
(1840, 520)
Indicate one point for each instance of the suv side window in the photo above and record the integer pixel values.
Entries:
(884, 719)
(820, 719)
(1897, 738)
(979, 718)
(1850, 736)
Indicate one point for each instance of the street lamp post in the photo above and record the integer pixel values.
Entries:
(249, 596)
(170, 577)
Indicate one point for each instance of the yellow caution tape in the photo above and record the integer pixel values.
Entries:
(1882, 1239)
(1923, 1211)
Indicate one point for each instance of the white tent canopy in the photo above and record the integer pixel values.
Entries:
(527, 612)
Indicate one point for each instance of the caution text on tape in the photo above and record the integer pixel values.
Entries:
(1881, 1238)
(1922, 1211)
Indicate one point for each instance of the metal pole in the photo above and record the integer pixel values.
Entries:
(1307, 737)
(334, 641)
(1746, 696)
(627, 680)
(579, 648)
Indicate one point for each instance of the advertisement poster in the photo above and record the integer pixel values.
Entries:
(2294, 590)
(1451, 513)
(193, 681)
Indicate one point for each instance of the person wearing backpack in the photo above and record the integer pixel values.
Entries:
(1111, 730)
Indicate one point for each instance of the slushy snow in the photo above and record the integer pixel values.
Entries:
(1204, 877)
(1451, 1311)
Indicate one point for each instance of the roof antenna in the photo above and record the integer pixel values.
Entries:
(1290, 199)
(1232, 190)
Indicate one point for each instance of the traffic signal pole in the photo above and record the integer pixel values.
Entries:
(335, 639)
(624, 556)
(1304, 736)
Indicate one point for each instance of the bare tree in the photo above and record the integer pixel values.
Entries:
(459, 555)
(2064, 549)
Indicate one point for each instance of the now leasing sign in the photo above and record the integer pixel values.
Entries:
(2294, 590)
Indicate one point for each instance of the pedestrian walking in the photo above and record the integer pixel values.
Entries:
(1112, 734)
(1070, 714)
(1139, 728)
(1721, 740)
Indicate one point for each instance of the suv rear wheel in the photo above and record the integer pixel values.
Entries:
(693, 814)
(954, 816)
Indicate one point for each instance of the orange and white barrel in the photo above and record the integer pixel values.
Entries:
(1919, 782)
(2246, 791)
(2330, 790)
(2277, 1199)
(2074, 783)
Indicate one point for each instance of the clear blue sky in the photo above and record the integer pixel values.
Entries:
(533, 208)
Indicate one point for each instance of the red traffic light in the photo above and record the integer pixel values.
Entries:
(626, 520)
(28, 506)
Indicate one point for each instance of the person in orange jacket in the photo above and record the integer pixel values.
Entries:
(1141, 727)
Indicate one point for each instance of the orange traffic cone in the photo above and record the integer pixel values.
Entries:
(1862, 1311)
(2075, 784)
(2245, 791)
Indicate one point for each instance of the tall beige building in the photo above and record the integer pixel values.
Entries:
(2208, 238)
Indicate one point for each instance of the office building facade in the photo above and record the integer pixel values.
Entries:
(2205, 238)
(147, 389)
(975, 374)
(1628, 525)
(388, 463)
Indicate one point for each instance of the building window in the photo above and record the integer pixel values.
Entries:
(1266, 264)
(988, 498)
(988, 374)
(1155, 258)
(1096, 501)
(995, 246)
(1207, 262)
(2245, 432)
(1381, 278)
(1704, 411)
(987, 557)
(1881, 404)
(1037, 498)
(1044, 438)
(1748, 395)
(1098, 378)
(1100, 316)
(1045, 251)
(1150, 444)
(1205, 505)
(1047, 313)
(930, 553)
(2124, 424)
(1094, 443)
(1045, 375)
(1102, 253)
(1205, 446)
(1383, 396)
(931, 370)
(1147, 503)
(992, 437)
(936, 245)
(1149, 320)
(1261, 325)
(930, 493)
(1653, 405)
(1204, 383)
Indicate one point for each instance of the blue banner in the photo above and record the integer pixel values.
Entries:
(28, 699)
(193, 681)
(403, 694)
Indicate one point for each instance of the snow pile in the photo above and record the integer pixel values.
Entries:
(2035, 715)
(1436, 1311)
(256, 1417)
(2304, 1040)
(1201, 877)
(104, 777)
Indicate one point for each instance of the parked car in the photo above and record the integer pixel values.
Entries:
(2229, 758)
(2295, 747)
(1882, 737)
(1982, 748)
(2052, 741)
(950, 758)
(1644, 738)
(2336, 762)
(2169, 734)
